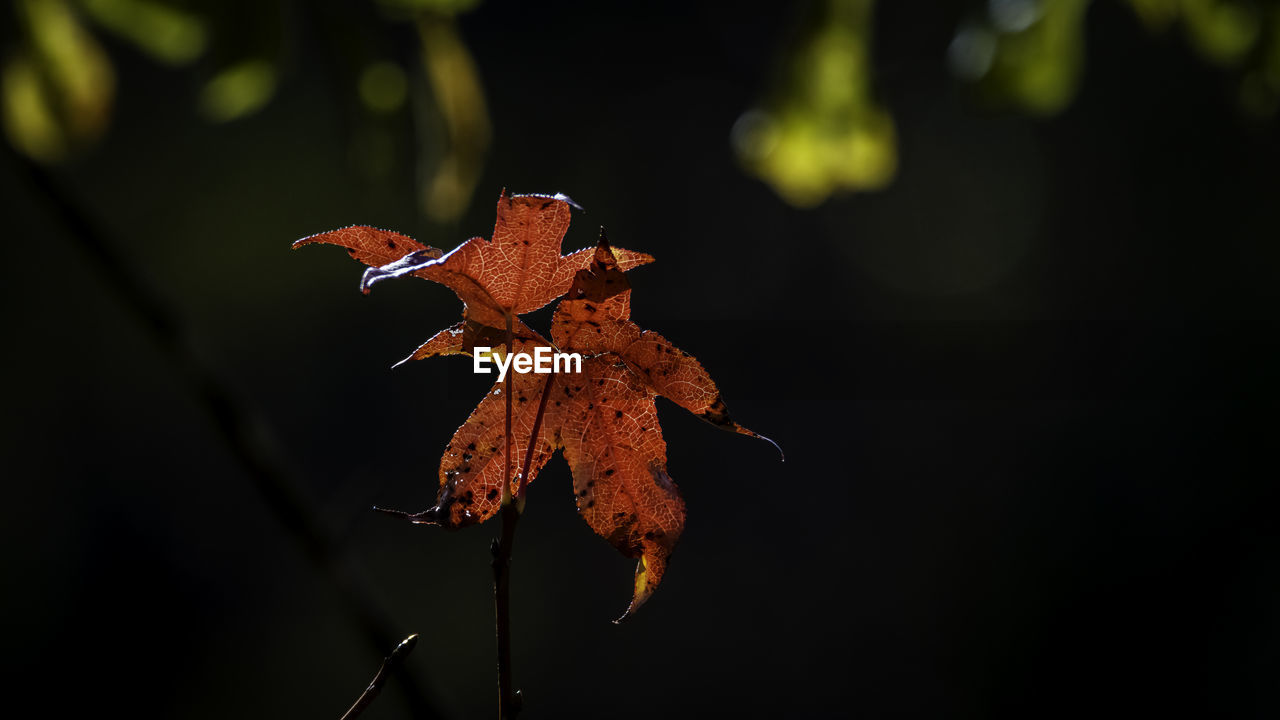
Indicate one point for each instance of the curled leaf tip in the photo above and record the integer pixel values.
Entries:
(411, 263)
(565, 198)
(631, 608)
(315, 237)
(628, 259)
(775, 445)
(649, 571)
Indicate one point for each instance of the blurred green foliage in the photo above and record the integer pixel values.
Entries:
(168, 33)
(819, 129)
(58, 83)
(1241, 36)
(1029, 54)
(452, 171)
(239, 90)
(1026, 54)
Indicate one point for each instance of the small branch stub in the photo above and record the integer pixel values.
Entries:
(389, 664)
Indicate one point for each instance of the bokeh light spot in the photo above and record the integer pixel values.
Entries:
(239, 90)
(383, 87)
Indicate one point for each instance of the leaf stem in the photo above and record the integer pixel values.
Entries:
(508, 698)
(526, 469)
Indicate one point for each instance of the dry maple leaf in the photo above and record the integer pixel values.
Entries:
(517, 271)
(595, 317)
(603, 417)
(610, 432)
(474, 461)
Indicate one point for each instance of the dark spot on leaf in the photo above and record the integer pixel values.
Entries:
(662, 479)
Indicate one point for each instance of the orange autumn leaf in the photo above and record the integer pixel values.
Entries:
(372, 246)
(517, 271)
(474, 461)
(603, 417)
(610, 435)
(595, 317)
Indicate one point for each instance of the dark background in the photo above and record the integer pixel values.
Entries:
(1026, 393)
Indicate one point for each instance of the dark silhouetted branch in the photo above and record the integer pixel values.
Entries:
(508, 698)
(241, 430)
(389, 664)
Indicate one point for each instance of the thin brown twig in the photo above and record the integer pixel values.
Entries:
(526, 469)
(389, 663)
(508, 698)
